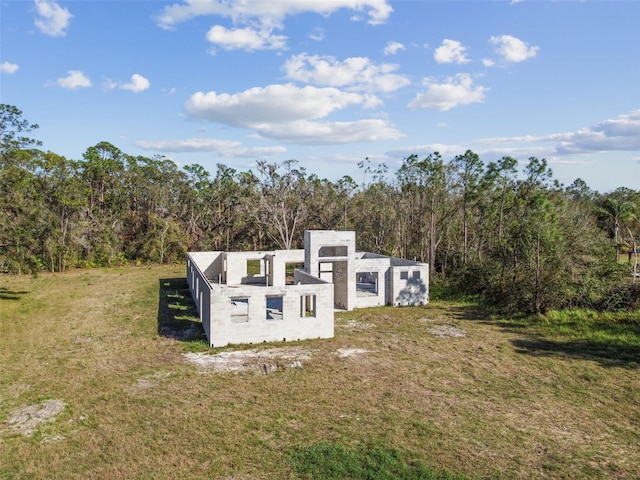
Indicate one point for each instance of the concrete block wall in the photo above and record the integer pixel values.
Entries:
(217, 278)
(236, 268)
(409, 284)
(210, 263)
(293, 325)
(279, 260)
(379, 265)
(318, 249)
(199, 285)
(314, 240)
(213, 302)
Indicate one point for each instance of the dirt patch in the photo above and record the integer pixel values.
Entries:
(447, 331)
(151, 381)
(350, 352)
(356, 325)
(259, 361)
(26, 420)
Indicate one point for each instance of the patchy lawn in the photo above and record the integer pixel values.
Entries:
(105, 374)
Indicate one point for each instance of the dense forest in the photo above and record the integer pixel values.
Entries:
(505, 230)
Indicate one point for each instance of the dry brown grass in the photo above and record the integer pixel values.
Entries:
(135, 407)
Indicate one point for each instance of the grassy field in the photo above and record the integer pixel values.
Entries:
(104, 375)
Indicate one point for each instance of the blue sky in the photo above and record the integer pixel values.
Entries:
(332, 82)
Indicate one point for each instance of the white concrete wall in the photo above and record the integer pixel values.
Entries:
(237, 268)
(400, 282)
(343, 265)
(210, 263)
(381, 266)
(409, 284)
(199, 285)
(213, 302)
(257, 328)
(279, 260)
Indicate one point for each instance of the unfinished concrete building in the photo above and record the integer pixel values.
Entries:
(280, 295)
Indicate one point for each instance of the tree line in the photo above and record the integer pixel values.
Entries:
(507, 231)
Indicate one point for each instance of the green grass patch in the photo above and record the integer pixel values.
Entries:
(327, 461)
(610, 338)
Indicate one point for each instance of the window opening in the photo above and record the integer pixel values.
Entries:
(416, 275)
(325, 271)
(366, 284)
(333, 251)
(289, 269)
(253, 267)
(404, 275)
(308, 306)
(239, 310)
(274, 307)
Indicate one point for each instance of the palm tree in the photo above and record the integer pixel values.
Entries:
(619, 212)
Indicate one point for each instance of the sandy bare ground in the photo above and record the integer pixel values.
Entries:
(260, 361)
(27, 419)
(356, 325)
(264, 361)
(350, 352)
(447, 331)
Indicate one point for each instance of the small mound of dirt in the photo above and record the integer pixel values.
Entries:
(26, 420)
(447, 331)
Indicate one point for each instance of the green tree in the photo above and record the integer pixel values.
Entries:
(425, 185)
(468, 169)
(20, 198)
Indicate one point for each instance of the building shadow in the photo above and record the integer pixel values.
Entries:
(606, 353)
(609, 343)
(177, 315)
(6, 294)
(415, 293)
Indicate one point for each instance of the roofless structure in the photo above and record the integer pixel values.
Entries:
(283, 295)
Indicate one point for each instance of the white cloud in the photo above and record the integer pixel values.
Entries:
(256, 21)
(358, 73)
(487, 62)
(512, 49)
(392, 48)
(331, 133)
(74, 79)
(52, 19)
(268, 13)
(8, 68)
(224, 148)
(456, 91)
(245, 38)
(289, 113)
(317, 34)
(109, 84)
(619, 134)
(138, 84)
(622, 133)
(271, 104)
(577, 148)
(443, 149)
(451, 51)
